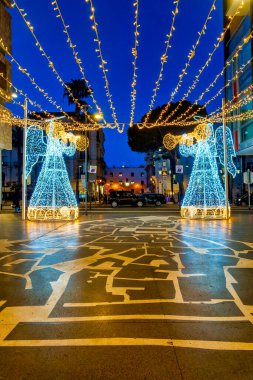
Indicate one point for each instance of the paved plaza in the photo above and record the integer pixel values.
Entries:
(126, 295)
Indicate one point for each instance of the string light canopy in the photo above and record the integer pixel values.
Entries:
(184, 71)
(103, 62)
(135, 57)
(212, 84)
(38, 87)
(50, 62)
(183, 119)
(164, 59)
(196, 80)
(76, 57)
(179, 122)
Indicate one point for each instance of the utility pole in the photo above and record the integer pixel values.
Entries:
(248, 172)
(1, 181)
(86, 175)
(24, 163)
(225, 158)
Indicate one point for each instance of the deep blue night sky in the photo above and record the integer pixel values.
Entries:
(115, 19)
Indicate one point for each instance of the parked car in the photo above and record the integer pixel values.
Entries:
(155, 199)
(118, 198)
(244, 200)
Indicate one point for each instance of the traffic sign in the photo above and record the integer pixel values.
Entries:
(248, 177)
(93, 169)
(179, 169)
(83, 179)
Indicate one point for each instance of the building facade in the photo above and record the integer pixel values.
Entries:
(5, 89)
(126, 178)
(96, 166)
(162, 176)
(240, 80)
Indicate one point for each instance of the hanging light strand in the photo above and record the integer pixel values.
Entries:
(76, 55)
(164, 58)
(184, 71)
(135, 57)
(103, 62)
(40, 89)
(50, 62)
(220, 39)
(244, 98)
(220, 74)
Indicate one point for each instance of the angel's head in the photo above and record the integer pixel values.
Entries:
(203, 131)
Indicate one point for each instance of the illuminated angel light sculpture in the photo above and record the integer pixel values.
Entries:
(53, 197)
(205, 195)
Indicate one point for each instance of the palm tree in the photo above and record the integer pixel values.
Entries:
(17, 142)
(79, 91)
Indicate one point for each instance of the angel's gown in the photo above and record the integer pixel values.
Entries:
(53, 196)
(205, 195)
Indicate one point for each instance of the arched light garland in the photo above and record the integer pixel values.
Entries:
(246, 97)
(46, 95)
(135, 57)
(184, 71)
(103, 62)
(76, 56)
(50, 62)
(53, 197)
(212, 84)
(32, 80)
(48, 114)
(164, 58)
(236, 76)
(206, 64)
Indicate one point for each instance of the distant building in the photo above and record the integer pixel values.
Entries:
(240, 29)
(5, 88)
(96, 164)
(126, 178)
(162, 176)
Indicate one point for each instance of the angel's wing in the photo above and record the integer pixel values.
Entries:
(35, 147)
(219, 141)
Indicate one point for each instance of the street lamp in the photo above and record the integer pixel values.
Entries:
(97, 116)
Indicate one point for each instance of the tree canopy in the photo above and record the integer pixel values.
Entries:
(79, 91)
(143, 140)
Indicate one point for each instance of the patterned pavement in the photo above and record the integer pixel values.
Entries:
(138, 282)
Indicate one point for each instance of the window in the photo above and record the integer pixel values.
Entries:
(111, 182)
(247, 132)
(245, 79)
(132, 174)
(3, 71)
(142, 183)
(142, 174)
(111, 174)
(120, 174)
(242, 31)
